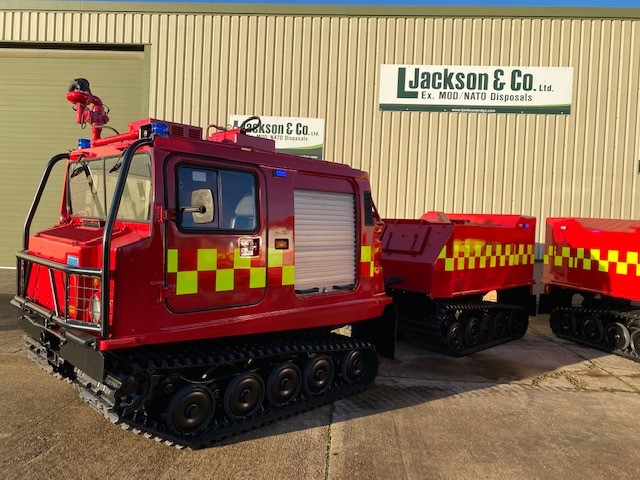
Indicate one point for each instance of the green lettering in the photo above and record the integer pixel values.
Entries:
(402, 93)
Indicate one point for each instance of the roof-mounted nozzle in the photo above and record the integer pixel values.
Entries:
(81, 97)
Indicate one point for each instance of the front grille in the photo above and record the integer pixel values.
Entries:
(83, 299)
(69, 296)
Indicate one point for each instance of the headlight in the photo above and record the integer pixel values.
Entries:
(95, 311)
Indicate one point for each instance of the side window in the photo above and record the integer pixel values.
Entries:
(211, 199)
(197, 198)
(238, 194)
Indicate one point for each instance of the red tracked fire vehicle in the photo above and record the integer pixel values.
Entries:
(192, 284)
(440, 268)
(592, 282)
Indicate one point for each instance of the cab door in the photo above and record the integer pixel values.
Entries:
(216, 242)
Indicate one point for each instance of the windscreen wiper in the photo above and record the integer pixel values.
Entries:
(78, 170)
(117, 165)
(84, 167)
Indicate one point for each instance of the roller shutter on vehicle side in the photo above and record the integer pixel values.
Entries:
(37, 122)
(325, 241)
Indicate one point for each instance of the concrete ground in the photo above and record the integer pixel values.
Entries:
(539, 407)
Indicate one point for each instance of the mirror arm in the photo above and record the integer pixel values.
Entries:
(200, 209)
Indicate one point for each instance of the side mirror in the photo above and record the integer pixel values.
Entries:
(201, 207)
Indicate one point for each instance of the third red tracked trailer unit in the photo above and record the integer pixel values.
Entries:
(592, 282)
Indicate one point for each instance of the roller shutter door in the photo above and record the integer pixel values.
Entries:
(36, 122)
(325, 241)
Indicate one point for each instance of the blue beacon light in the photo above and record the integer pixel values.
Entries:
(84, 143)
(161, 129)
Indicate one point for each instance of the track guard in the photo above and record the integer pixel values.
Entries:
(380, 331)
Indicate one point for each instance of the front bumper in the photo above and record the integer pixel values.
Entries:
(62, 343)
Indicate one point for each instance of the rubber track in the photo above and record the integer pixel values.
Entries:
(101, 396)
(427, 332)
(626, 318)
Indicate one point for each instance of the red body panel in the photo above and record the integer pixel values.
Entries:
(73, 240)
(594, 255)
(145, 306)
(449, 255)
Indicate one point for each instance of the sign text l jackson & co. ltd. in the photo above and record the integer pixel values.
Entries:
(294, 135)
(479, 89)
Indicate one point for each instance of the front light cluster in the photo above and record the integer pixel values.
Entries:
(95, 309)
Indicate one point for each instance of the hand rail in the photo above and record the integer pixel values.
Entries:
(94, 272)
(21, 273)
(108, 229)
(38, 196)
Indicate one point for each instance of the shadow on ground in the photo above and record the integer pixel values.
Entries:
(417, 376)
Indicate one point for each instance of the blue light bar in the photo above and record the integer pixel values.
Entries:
(84, 143)
(280, 173)
(161, 129)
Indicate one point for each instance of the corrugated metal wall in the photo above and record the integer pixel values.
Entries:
(206, 67)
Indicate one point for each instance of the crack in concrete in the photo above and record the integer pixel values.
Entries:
(538, 381)
(10, 352)
(328, 455)
(596, 366)
(576, 382)
(398, 435)
(579, 384)
(620, 379)
(456, 387)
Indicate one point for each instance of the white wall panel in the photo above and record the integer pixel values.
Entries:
(205, 67)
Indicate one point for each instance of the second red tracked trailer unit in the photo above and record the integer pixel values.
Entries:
(439, 270)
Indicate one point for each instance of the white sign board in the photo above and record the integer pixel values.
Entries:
(294, 135)
(479, 89)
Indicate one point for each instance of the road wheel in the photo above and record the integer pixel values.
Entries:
(501, 325)
(455, 336)
(592, 329)
(243, 395)
(318, 374)
(283, 384)
(486, 327)
(190, 409)
(134, 390)
(563, 323)
(635, 341)
(353, 366)
(617, 336)
(472, 332)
